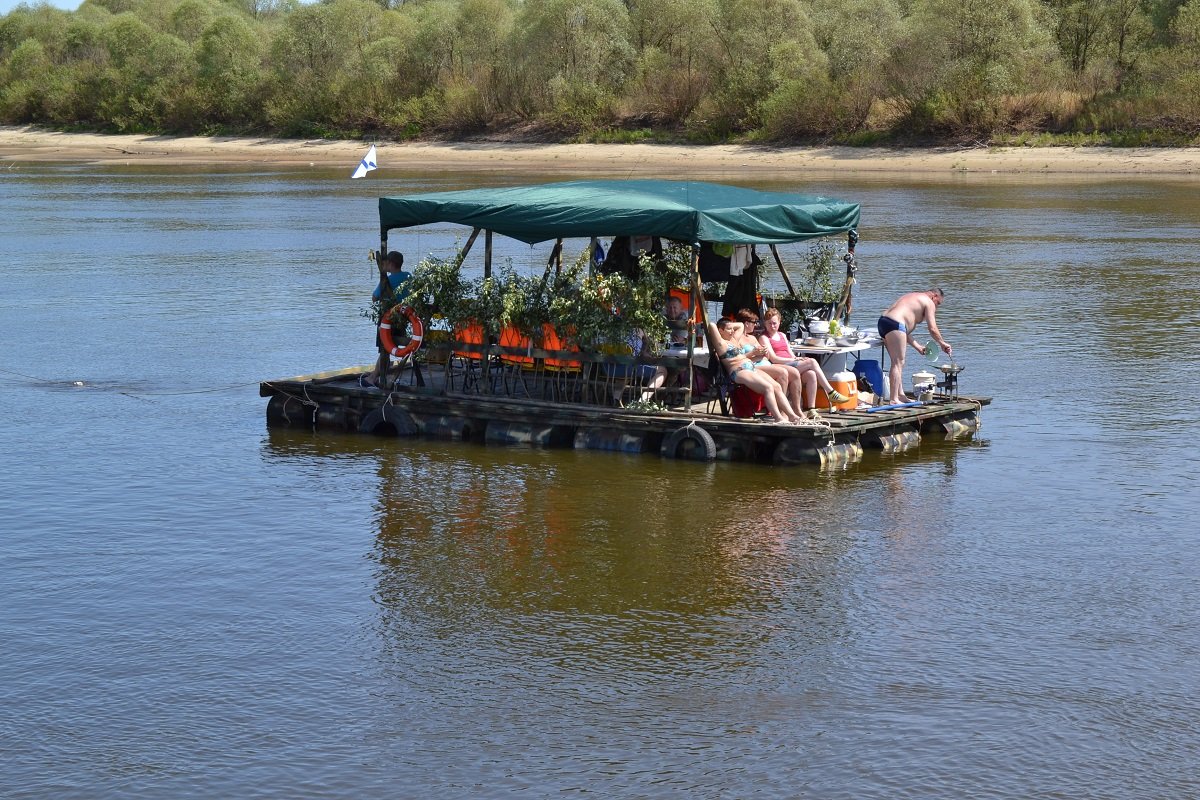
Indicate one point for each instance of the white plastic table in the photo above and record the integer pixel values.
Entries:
(699, 356)
(833, 359)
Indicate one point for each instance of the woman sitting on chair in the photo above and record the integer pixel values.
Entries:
(786, 377)
(806, 370)
(738, 355)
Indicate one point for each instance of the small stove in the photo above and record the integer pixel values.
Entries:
(950, 384)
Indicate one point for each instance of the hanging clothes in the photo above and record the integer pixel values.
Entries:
(623, 255)
(714, 265)
(742, 290)
(740, 259)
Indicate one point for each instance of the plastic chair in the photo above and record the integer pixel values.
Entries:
(468, 360)
(564, 373)
(515, 366)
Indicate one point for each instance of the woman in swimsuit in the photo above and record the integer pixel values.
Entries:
(738, 357)
(808, 373)
(788, 378)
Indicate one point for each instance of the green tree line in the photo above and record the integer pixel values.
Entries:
(853, 71)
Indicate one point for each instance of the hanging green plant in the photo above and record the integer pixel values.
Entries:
(484, 303)
(817, 282)
(608, 309)
(437, 287)
(525, 303)
(677, 264)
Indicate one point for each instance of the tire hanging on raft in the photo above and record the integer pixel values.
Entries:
(388, 420)
(385, 331)
(697, 444)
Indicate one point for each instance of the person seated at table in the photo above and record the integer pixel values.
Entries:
(787, 378)
(675, 313)
(738, 355)
(809, 371)
(649, 376)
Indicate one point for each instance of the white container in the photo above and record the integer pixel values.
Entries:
(923, 384)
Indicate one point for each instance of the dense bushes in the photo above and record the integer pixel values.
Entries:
(809, 70)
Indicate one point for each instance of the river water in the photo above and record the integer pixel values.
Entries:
(194, 606)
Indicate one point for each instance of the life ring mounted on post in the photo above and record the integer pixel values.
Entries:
(414, 323)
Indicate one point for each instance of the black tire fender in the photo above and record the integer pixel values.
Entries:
(702, 449)
(389, 420)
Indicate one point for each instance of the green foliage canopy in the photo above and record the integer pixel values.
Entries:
(704, 69)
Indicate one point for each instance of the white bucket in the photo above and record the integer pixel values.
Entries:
(923, 385)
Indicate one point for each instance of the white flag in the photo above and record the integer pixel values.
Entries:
(366, 165)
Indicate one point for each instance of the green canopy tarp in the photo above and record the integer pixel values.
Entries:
(681, 210)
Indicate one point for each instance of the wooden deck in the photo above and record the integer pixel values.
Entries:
(432, 406)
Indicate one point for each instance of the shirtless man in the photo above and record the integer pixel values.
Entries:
(896, 327)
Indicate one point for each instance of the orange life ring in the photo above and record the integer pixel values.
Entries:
(385, 331)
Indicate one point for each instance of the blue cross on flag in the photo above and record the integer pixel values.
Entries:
(366, 165)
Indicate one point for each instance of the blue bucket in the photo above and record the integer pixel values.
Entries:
(869, 368)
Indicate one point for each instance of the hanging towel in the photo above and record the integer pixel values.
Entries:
(740, 259)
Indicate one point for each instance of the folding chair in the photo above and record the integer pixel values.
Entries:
(720, 386)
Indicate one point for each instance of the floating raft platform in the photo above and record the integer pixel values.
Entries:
(335, 401)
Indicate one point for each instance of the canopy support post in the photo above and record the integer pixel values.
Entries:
(383, 361)
(555, 261)
(487, 254)
(462, 254)
(787, 279)
(846, 303)
(697, 303)
(488, 324)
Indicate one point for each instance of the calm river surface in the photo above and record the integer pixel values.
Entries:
(194, 606)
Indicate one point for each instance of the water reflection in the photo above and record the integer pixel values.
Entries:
(472, 538)
(605, 560)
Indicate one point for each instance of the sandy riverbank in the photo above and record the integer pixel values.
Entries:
(617, 160)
